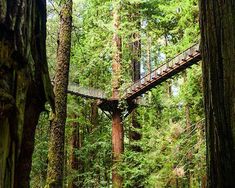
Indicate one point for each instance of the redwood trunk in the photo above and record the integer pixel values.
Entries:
(25, 159)
(94, 115)
(75, 145)
(217, 19)
(117, 127)
(135, 60)
(24, 86)
(118, 147)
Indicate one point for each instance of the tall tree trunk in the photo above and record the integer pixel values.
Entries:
(117, 127)
(187, 108)
(24, 86)
(117, 53)
(136, 55)
(188, 130)
(118, 147)
(135, 61)
(148, 54)
(56, 143)
(75, 145)
(217, 20)
(25, 159)
(94, 124)
(94, 115)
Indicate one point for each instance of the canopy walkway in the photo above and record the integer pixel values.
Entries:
(86, 92)
(176, 65)
(131, 94)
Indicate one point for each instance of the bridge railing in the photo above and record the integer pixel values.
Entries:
(164, 67)
(87, 92)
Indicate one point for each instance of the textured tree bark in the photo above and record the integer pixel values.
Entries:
(24, 85)
(217, 20)
(118, 147)
(117, 127)
(32, 113)
(117, 51)
(95, 123)
(56, 147)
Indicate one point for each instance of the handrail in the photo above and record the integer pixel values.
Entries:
(179, 57)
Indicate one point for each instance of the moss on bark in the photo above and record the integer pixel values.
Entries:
(23, 65)
(56, 148)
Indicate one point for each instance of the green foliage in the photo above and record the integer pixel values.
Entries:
(39, 165)
(95, 152)
(171, 152)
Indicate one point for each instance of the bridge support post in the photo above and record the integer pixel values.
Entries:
(117, 146)
(117, 116)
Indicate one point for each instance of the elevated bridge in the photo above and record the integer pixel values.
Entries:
(132, 93)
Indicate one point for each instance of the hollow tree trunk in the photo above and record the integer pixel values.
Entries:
(55, 172)
(24, 86)
(117, 127)
(217, 19)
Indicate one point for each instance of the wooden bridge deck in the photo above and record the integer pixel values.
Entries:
(86, 92)
(179, 63)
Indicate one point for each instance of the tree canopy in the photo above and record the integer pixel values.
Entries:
(117, 93)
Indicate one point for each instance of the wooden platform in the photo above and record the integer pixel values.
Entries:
(108, 105)
(111, 105)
